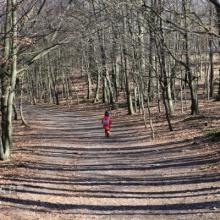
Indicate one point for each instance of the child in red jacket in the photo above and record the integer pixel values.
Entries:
(106, 122)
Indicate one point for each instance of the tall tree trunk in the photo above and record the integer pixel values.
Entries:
(115, 63)
(191, 78)
(8, 78)
(165, 75)
(97, 87)
(151, 46)
(211, 75)
(126, 71)
(217, 7)
(21, 104)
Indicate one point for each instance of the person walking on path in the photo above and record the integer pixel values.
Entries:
(107, 122)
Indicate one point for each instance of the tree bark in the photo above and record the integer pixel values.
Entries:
(126, 71)
(8, 78)
(191, 78)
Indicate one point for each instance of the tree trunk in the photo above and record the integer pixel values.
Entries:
(218, 97)
(211, 75)
(191, 78)
(165, 75)
(97, 87)
(217, 7)
(126, 71)
(21, 105)
(8, 78)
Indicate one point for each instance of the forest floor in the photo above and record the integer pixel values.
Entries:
(64, 168)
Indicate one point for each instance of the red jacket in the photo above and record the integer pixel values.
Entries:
(106, 122)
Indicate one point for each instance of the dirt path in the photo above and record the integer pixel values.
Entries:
(70, 171)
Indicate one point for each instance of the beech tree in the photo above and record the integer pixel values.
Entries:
(8, 71)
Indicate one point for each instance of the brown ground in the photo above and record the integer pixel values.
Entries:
(64, 168)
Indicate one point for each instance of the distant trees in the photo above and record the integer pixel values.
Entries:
(125, 47)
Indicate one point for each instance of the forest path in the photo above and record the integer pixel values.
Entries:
(69, 170)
